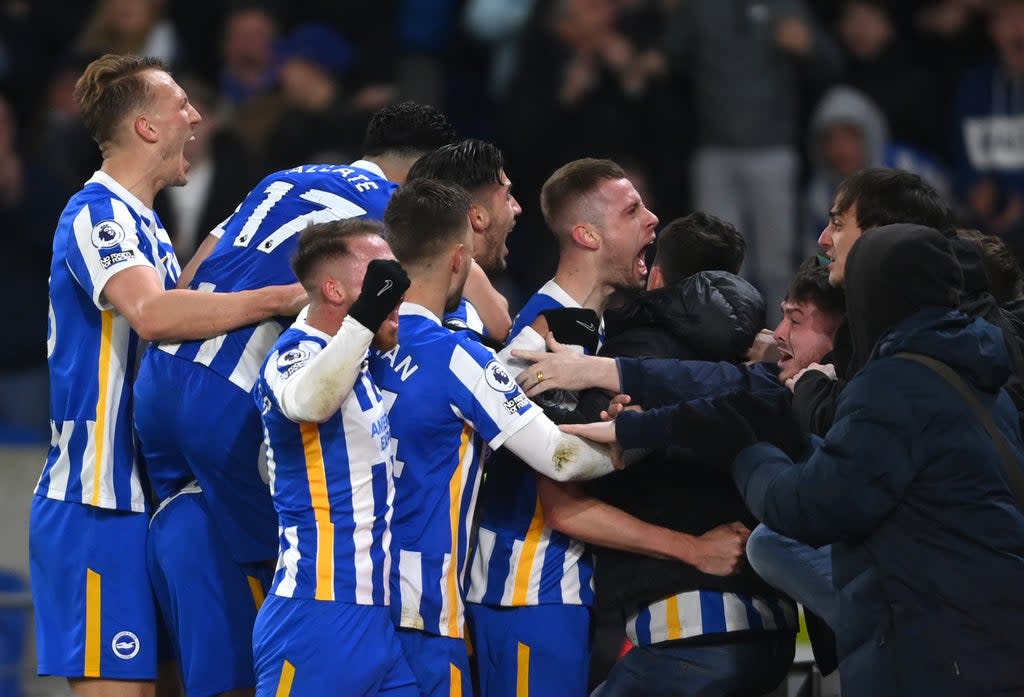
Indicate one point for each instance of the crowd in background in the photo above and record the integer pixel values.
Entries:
(753, 110)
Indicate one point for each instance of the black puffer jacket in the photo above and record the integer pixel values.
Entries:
(710, 316)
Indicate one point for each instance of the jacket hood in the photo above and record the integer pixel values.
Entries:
(971, 346)
(893, 272)
(842, 104)
(715, 313)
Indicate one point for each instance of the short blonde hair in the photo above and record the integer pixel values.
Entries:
(111, 88)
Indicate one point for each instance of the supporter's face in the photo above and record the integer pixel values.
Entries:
(1007, 29)
(842, 147)
(865, 29)
(627, 232)
(804, 336)
(248, 42)
(363, 250)
(491, 250)
(837, 238)
(176, 119)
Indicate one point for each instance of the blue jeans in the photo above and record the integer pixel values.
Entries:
(798, 570)
(747, 666)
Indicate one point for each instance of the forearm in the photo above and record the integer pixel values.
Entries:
(558, 455)
(187, 314)
(189, 272)
(584, 518)
(319, 388)
(653, 382)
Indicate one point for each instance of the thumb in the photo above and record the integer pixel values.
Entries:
(552, 343)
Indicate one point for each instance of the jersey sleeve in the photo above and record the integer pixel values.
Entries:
(284, 364)
(104, 241)
(486, 395)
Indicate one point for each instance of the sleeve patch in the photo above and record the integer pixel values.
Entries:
(117, 258)
(497, 378)
(291, 360)
(106, 234)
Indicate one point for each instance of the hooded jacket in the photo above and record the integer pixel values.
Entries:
(711, 316)
(927, 543)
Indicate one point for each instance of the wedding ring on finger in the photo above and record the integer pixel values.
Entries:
(540, 376)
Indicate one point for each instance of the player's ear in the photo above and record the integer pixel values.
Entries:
(585, 235)
(333, 291)
(144, 128)
(457, 258)
(479, 218)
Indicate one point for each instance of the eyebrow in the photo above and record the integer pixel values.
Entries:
(791, 310)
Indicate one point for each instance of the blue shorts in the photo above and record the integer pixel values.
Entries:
(208, 600)
(441, 664)
(94, 610)
(195, 424)
(535, 651)
(310, 648)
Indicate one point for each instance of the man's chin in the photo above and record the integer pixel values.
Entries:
(385, 343)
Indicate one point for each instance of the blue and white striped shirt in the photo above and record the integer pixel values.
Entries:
(93, 352)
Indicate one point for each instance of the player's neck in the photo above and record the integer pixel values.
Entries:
(394, 167)
(132, 175)
(584, 285)
(429, 291)
(324, 318)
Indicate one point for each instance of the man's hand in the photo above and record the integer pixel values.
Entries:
(828, 369)
(384, 285)
(618, 404)
(557, 368)
(600, 432)
(764, 348)
(721, 551)
(292, 299)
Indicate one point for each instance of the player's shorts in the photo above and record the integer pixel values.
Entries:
(208, 600)
(195, 424)
(94, 610)
(310, 648)
(535, 651)
(441, 664)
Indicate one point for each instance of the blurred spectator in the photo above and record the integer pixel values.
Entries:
(989, 129)
(849, 133)
(62, 140)
(321, 121)
(425, 29)
(745, 166)
(500, 24)
(220, 176)
(880, 63)
(131, 26)
(30, 201)
(248, 79)
(569, 98)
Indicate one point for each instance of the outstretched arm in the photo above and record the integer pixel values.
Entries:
(570, 511)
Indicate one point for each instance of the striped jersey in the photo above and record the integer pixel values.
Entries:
(331, 482)
(448, 396)
(256, 246)
(465, 316)
(518, 559)
(92, 350)
(702, 612)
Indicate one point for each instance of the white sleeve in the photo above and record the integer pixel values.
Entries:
(560, 456)
(526, 340)
(315, 391)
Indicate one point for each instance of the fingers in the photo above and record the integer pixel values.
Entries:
(532, 356)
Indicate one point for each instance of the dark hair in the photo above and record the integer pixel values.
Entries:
(1002, 271)
(810, 285)
(469, 163)
(423, 217)
(324, 241)
(698, 242)
(571, 181)
(889, 196)
(407, 129)
(110, 88)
